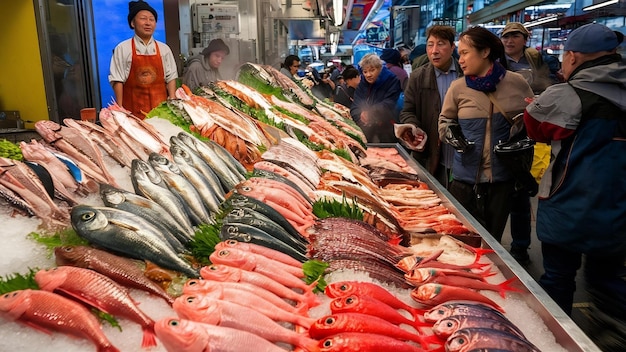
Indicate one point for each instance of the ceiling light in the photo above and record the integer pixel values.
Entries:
(602, 4)
(541, 21)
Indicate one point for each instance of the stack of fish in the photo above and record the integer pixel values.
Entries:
(471, 326)
(367, 317)
(246, 280)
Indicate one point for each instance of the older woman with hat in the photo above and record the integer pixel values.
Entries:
(204, 68)
(143, 71)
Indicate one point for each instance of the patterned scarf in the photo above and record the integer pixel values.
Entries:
(489, 81)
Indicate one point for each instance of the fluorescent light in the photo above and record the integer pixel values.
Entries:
(542, 21)
(602, 4)
(338, 12)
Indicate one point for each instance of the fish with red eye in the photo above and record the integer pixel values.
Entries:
(358, 322)
(434, 294)
(365, 342)
(369, 289)
(409, 263)
(422, 276)
(368, 305)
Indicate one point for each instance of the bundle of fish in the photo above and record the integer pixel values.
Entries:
(367, 317)
(471, 326)
(356, 245)
(247, 280)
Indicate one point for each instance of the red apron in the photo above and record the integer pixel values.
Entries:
(145, 87)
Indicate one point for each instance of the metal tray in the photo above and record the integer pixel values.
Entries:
(565, 331)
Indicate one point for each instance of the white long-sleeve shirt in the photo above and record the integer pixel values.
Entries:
(122, 58)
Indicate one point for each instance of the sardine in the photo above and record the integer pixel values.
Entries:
(149, 183)
(217, 164)
(192, 157)
(93, 225)
(178, 184)
(202, 185)
(146, 208)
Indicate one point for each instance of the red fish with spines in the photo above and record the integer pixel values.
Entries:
(420, 276)
(368, 305)
(452, 308)
(434, 294)
(47, 311)
(236, 289)
(358, 322)
(468, 282)
(222, 272)
(447, 326)
(365, 342)
(122, 270)
(261, 250)
(284, 274)
(370, 289)
(98, 291)
(233, 315)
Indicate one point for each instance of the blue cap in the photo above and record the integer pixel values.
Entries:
(591, 38)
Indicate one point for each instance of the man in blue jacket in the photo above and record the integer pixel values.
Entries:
(582, 195)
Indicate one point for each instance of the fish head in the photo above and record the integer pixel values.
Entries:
(86, 218)
(350, 303)
(233, 257)
(197, 308)
(460, 340)
(141, 170)
(47, 128)
(72, 255)
(15, 303)
(110, 195)
(181, 335)
(328, 325)
(50, 279)
(198, 287)
(446, 326)
(426, 292)
(220, 273)
(179, 154)
(439, 312)
(407, 264)
(418, 276)
(340, 289)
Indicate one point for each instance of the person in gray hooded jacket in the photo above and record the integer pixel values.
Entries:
(203, 69)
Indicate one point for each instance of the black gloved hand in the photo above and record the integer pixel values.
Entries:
(454, 136)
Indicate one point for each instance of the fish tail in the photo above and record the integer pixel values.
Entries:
(302, 308)
(506, 286)
(107, 348)
(427, 340)
(149, 338)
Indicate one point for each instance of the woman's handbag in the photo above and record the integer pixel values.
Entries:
(517, 153)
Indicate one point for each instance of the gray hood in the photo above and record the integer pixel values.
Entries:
(608, 81)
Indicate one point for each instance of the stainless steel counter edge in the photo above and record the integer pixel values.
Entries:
(566, 332)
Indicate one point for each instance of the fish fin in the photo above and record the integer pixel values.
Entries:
(122, 225)
(38, 327)
(506, 286)
(149, 338)
(432, 339)
(80, 298)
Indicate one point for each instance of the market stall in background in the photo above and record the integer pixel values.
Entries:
(254, 176)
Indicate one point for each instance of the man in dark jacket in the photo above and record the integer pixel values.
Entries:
(375, 99)
(582, 195)
(423, 96)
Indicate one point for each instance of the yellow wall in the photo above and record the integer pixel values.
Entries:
(21, 74)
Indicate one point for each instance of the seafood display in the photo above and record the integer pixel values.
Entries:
(241, 223)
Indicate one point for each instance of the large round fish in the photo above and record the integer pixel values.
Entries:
(93, 225)
(447, 326)
(468, 339)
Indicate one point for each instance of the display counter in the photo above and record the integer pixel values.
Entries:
(565, 331)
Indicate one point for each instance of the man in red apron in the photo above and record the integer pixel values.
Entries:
(143, 71)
